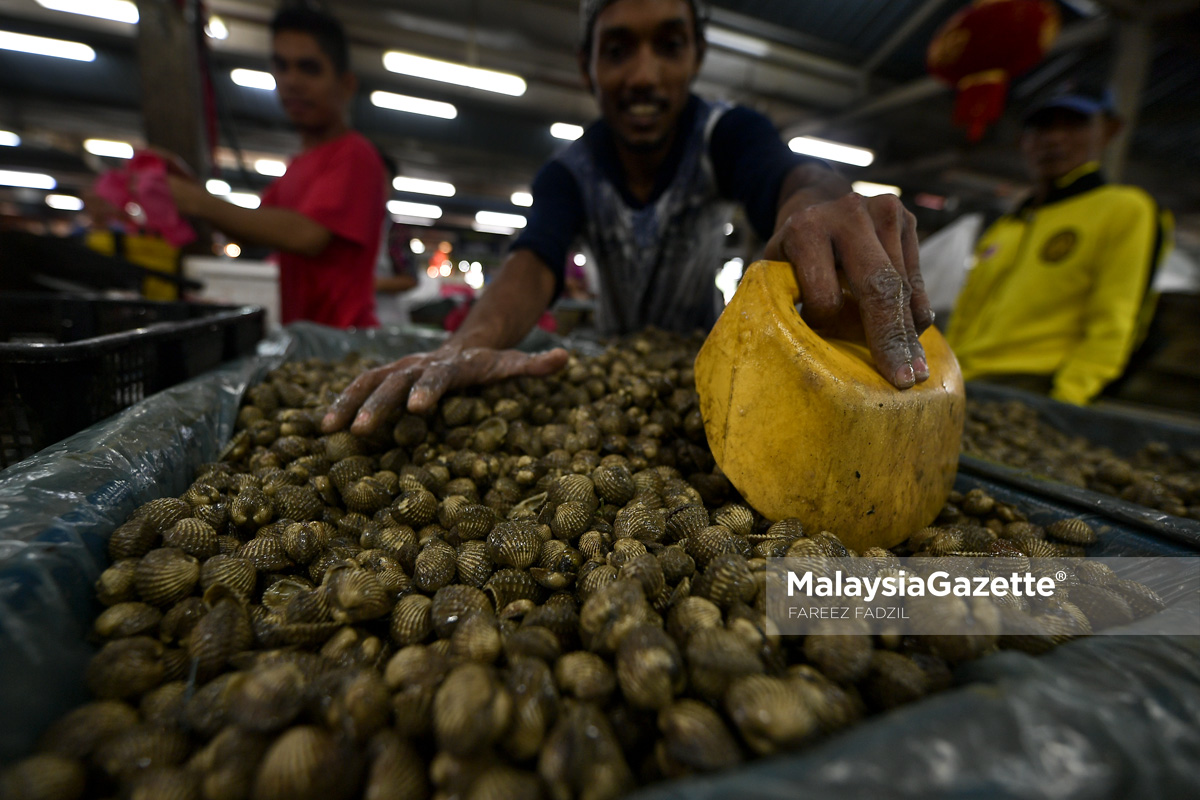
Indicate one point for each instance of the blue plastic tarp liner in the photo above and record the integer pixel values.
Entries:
(1099, 717)
(1125, 432)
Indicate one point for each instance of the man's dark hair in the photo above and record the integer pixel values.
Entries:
(590, 9)
(323, 27)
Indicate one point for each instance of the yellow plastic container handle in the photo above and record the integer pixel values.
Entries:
(806, 427)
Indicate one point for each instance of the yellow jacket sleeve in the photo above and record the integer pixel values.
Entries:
(1122, 270)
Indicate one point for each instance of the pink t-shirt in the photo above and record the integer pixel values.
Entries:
(341, 185)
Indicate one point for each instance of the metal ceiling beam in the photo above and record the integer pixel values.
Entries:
(1128, 7)
(764, 50)
(731, 76)
(935, 162)
(1050, 70)
(912, 92)
(754, 26)
(1135, 45)
(827, 69)
(1149, 10)
(1081, 34)
(901, 35)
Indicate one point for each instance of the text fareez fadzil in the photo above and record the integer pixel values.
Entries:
(843, 612)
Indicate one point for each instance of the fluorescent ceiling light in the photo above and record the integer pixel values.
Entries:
(9, 139)
(457, 74)
(404, 208)
(498, 220)
(834, 151)
(750, 45)
(478, 226)
(523, 199)
(243, 199)
(413, 105)
(403, 219)
(216, 28)
(115, 10)
(26, 180)
(270, 166)
(64, 202)
(868, 189)
(420, 186)
(108, 148)
(253, 79)
(41, 46)
(217, 186)
(563, 130)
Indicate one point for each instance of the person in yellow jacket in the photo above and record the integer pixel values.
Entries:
(1059, 295)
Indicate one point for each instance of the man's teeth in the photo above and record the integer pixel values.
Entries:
(643, 109)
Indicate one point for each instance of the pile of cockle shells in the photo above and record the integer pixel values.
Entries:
(1012, 434)
(544, 589)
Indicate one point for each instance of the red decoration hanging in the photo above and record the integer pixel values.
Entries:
(983, 47)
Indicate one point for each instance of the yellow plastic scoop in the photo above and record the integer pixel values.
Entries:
(806, 427)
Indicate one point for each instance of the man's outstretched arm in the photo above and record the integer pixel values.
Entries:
(277, 228)
(475, 354)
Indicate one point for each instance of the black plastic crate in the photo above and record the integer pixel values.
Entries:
(67, 362)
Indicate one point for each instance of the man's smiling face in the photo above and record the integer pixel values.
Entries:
(640, 69)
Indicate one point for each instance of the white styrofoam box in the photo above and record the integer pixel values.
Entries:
(238, 281)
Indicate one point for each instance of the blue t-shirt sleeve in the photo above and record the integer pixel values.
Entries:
(750, 162)
(555, 219)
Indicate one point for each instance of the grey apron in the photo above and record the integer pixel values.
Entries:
(656, 265)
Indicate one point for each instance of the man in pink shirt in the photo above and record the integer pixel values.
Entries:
(325, 214)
